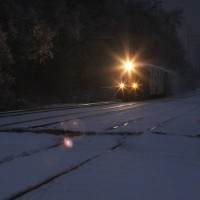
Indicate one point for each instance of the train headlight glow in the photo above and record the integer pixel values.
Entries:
(134, 85)
(122, 86)
(128, 66)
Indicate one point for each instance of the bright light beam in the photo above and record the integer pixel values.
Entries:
(135, 85)
(128, 66)
(122, 86)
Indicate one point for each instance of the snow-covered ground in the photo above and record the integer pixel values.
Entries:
(151, 152)
(148, 167)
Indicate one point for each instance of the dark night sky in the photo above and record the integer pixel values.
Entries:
(191, 9)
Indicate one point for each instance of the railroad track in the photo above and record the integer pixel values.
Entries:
(72, 134)
(102, 153)
(28, 190)
(55, 119)
(107, 130)
(55, 108)
(12, 113)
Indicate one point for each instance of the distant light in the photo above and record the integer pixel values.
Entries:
(68, 143)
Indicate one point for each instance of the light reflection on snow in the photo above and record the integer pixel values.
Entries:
(73, 125)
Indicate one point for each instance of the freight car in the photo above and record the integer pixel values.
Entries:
(143, 81)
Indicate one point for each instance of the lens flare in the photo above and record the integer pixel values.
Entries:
(68, 143)
(74, 125)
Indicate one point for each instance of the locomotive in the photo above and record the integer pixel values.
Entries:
(143, 81)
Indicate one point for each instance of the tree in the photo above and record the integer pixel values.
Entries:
(68, 45)
(7, 81)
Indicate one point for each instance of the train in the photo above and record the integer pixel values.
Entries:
(144, 81)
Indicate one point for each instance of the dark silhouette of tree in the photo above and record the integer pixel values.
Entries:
(57, 51)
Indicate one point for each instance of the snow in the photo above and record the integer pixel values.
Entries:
(145, 167)
(24, 172)
(162, 162)
(188, 124)
(13, 145)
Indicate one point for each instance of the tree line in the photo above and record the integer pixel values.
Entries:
(61, 51)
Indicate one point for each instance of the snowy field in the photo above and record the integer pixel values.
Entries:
(149, 152)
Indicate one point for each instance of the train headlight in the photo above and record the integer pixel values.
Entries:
(122, 86)
(135, 85)
(128, 66)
